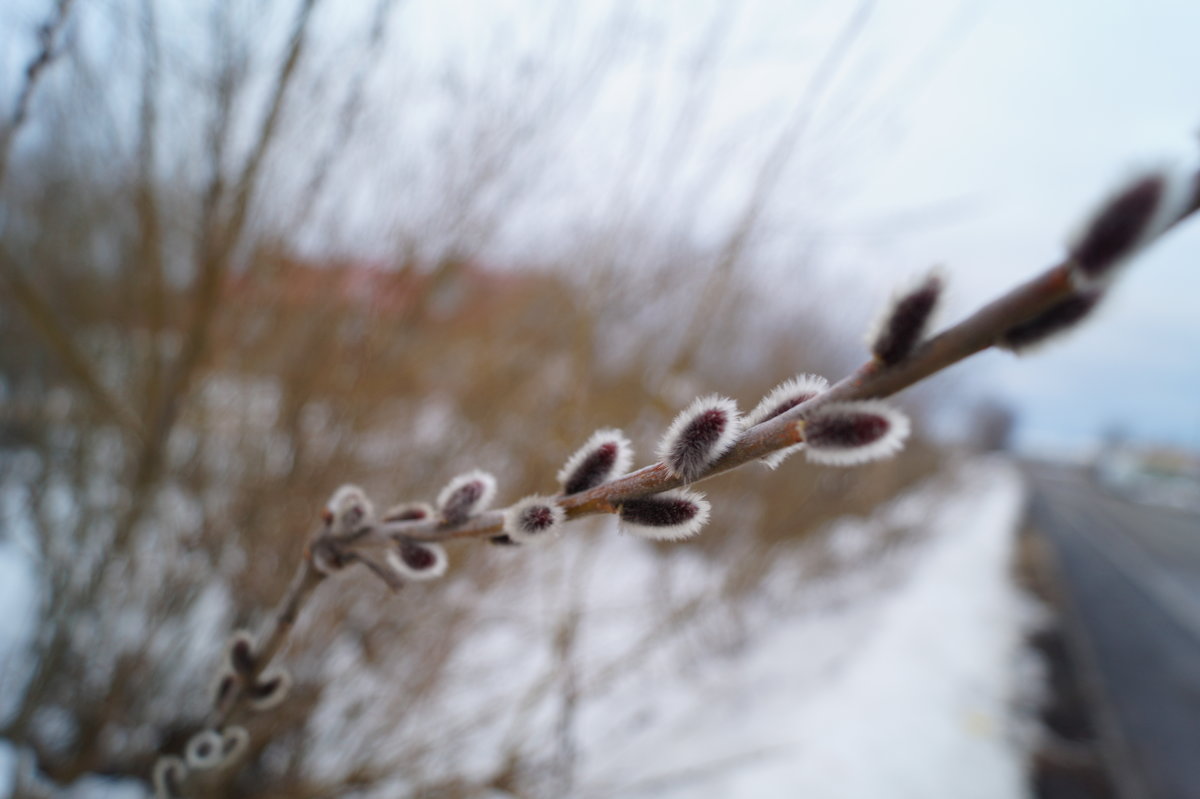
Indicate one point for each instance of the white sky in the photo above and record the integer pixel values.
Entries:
(974, 135)
(1013, 119)
(1043, 106)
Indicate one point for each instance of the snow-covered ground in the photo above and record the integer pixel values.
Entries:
(917, 689)
(889, 672)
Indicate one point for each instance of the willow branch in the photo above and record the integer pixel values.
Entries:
(980, 331)
(274, 638)
(1057, 298)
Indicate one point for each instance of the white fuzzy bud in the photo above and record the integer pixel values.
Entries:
(270, 690)
(605, 456)
(234, 742)
(669, 516)
(465, 496)
(349, 510)
(849, 433)
(534, 520)
(781, 399)
(169, 774)
(418, 560)
(699, 435)
(408, 512)
(204, 750)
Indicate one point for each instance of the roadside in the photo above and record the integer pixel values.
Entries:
(1125, 579)
(1069, 760)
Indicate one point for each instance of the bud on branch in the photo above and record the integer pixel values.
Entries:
(348, 511)
(534, 520)
(905, 321)
(1058, 318)
(270, 689)
(607, 454)
(699, 435)
(465, 496)
(849, 433)
(169, 774)
(843, 424)
(781, 399)
(204, 750)
(1129, 220)
(418, 561)
(669, 516)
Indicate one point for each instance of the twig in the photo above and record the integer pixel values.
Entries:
(980, 331)
(1126, 223)
(25, 291)
(48, 33)
(222, 238)
(304, 582)
(76, 364)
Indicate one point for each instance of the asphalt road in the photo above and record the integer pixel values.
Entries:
(1131, 575)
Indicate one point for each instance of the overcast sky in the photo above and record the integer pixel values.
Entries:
(976, 136)
(1038, 111)
(972, 135)
(1019, 116)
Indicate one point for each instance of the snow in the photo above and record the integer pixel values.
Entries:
(924, 703)
(857, 669)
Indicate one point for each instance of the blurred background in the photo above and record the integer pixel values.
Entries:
(249, 252)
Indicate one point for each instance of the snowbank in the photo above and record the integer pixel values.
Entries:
(893, 676)
(907, 692)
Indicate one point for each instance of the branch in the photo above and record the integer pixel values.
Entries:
(48, 33)
(276, 635)
(75, 362)
(833, 424)
(982, 330)
(27, 294)
(221, 240)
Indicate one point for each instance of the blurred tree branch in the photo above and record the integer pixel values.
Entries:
(39, 311)
(48, 49)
